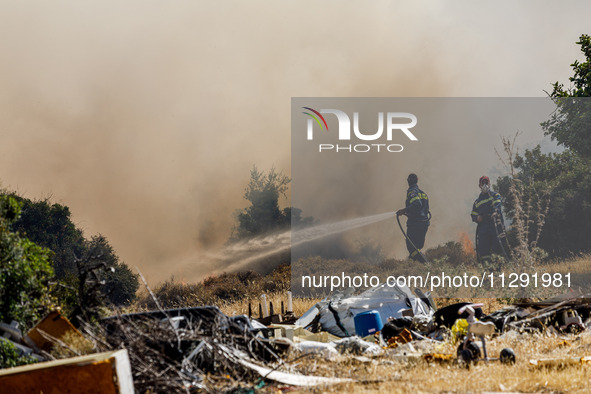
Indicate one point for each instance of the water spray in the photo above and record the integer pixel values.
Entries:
(246, 252)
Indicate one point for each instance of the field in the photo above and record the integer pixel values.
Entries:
(389, 374)
(395, 373)
(402, 369)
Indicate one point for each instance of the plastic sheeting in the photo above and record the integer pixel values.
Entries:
(390, 302)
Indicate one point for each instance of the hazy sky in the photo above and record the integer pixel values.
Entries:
(144, 117)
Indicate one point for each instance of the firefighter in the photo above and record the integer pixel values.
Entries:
(417, 212)
(486, 206)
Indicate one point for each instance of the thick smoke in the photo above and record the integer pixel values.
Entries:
(145, 117)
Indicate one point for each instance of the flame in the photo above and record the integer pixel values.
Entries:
(467, 244)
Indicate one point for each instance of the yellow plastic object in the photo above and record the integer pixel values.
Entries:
(459, 329)
(439, 358)
(55, 325)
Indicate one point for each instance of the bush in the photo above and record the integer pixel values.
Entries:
(49, 225)
(9, 356)
(25, 271)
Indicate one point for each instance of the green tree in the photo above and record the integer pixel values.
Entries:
(570, 124)
(264, 215)
(567, 177)
(121, 283)
(25, 271)
(50, 226)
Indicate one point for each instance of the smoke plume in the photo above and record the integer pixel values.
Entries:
(145, 117)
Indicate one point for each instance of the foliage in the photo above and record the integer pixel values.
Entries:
(563, 178)
(570, 125)
(529, 202)
(25, 271)
(50, 225)
(568, 177)
(453, 251)
(263, 215)
(120, 283)
(9, 356)
(94, 283)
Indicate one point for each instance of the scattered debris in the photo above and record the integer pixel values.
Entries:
(448, 315)
(367, 323)
(357, 346)
(469, 351)
(326, 350)
(560, 362)
(51, 328)
(438, 357)
(337, 312)
(565, 313)
(292, 379)
(201, 348)
(405, 336)
(267, 313)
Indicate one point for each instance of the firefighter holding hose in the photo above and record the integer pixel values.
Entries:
(417, 224)
(486, 212)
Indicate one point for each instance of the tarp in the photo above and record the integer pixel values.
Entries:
(388, 301)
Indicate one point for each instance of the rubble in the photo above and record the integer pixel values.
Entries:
(201, 348)
(565, 313)
(53, 326)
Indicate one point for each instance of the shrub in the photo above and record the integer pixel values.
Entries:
(25, 271)
(10, 357)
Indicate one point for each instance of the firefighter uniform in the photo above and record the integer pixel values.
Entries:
(417, 210)
(487, 240)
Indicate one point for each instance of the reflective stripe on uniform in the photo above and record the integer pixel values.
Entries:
(479, 203)
(420, 196)
(497, 200)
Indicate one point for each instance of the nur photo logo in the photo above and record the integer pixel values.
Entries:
(389, 125)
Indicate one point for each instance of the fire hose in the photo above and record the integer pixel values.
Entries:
(501, 235)
(408, 239)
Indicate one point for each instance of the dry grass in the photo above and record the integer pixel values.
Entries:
(576, 265)
(384, 375)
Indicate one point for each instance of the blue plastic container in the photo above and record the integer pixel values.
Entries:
(367, 323)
